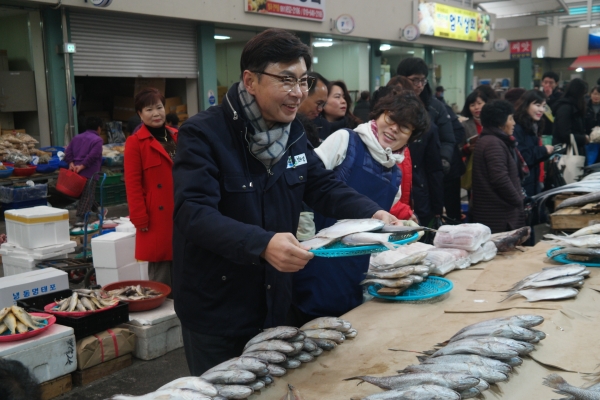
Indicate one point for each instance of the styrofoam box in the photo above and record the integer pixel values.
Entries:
(23, 266)
(113, 250)
(40, 253)
(129, 272)
(48, 355)
(157, 331)
(37, 226)
(27, 262)
(144, 270)
(125, 227)
(30, 284)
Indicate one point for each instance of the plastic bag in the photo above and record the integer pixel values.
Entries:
(17, 157)
(463, 259)
(466, 236)
(115, 132)
(441, 262)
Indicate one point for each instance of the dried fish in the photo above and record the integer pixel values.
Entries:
(482, 347)
(348, 226)
(489, 375)
(233, 376)
(395, 283)
(421, 392)
(274, 357)
(395, 258)
(451, 380)
(580, 251)
(588, 230)
(317, 243)
(336, 336)
(234, 391)
(557, 293)
(323, 323)
(280, 332)
(523, 320)
(580, 241)
(193, 383)
(368, 238)
(578, 201)
(507, 331)
(468, 359)
(271, 345)
(555, 381)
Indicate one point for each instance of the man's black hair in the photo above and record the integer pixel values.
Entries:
(495, 113)
(93, 123)
(17, 382)
(364, 95)
(552, 75)
(273, 46)
(412, 66)
(439, 89)
(172, 118)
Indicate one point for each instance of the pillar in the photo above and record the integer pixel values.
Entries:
(526, 73)
(374, 65)
(207, 65)
(469, 74)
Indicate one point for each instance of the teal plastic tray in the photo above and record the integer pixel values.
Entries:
(339, 249)
(562, 258)
(432, 286)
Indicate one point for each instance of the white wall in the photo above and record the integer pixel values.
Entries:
(348, 61)
(228, 63)
(576, 42)
(453, 70)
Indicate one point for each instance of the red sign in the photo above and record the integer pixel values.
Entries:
(520, 49)
(306, 9)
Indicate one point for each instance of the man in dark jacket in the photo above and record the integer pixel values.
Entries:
(457, 169)
(416, 71)
(362, 108)
(553, 93)
(241, 173)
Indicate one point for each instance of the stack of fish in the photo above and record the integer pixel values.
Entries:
(85, 300)
(552, 283)
(15, 319)
(399, 268)
(360, 232)
(475, 357)
(582, 245)
(557, 382)
(134, 293)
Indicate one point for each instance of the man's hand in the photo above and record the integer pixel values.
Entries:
(284, 252)
(386, 217)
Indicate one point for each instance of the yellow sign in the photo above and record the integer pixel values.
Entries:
(449, 22)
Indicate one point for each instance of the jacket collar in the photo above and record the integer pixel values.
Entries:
(500, 134)
(144, 134)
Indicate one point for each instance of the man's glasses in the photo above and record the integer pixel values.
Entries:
(418, 82)
(288, 83)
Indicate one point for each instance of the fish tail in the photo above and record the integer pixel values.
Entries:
(422, 358)
(510, 294)
(554, 381)
(357, 378)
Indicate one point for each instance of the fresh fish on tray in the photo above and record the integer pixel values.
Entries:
(579, 241)
(578, 251)
(348, 226)
(557, 293)
(134, 293)
(395, 258)
(85, 300)
(507, 241)
(579, 201)
(391, 283)
(15, 320)
(451, 380)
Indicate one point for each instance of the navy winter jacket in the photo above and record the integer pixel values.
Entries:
(533, 153)
(227, 209)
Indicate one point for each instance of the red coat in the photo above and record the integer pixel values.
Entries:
(149, 185)
(402, 209)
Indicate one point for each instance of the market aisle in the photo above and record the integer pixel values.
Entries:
(140, 378)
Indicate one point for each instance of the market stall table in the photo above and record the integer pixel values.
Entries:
(571, 326)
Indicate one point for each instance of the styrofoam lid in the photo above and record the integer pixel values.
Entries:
(113, 237)
(37, 214)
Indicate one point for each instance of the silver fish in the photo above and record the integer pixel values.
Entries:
(421, 392)
(87, 303)
(170, 393)
(325, 344)
(514, 361)
(481, 347)
(562, 281)
(523, 320)
(336, 336)
(232, 376)
(271, 345)
(268, 356)
(347, 325)
(396, 258)
(351, 334)
(281, 332)
(234, 391)
(194, 383)
(73, 302)
(404, 229)
(267, 379)
(291, 363)
(507, 331)
(309, 345)
(395, 283)
(368, 238)
(323, 323)
(298, 346)
(555, 381)
(557, 293)
(451, 380)
(394, 273)
(470, 393)
(80, 307)
(489, 375)
(254, 365)
(578, 251)
(520, 347)
(588, 230)
(580, 241)
(299, 337)
(317, 243)
(468, 359)
(317, 352)
(348, 226)
(276, 370)
(256, 385)
(304, 357)
(549, 274)
(578, 201)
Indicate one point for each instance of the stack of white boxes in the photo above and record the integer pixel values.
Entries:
(31, 284)
(114, 258)
(157, 331)
(35, 234)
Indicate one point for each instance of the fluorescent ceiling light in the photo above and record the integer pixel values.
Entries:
(384, 47)
(579, 69)
(324, 39)
(587, 26)
(322, 44)
(410, 52)
(222, 37)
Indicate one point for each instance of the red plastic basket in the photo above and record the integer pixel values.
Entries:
(70, 183)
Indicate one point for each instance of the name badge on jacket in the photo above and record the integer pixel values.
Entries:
(300, 159)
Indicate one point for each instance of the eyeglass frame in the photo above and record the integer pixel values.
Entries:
(280, 78)
(418, 82)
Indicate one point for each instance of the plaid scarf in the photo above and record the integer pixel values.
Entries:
(268, 145)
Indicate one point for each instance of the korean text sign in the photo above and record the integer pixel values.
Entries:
(520, 49)
(449, 22)
(305, 9)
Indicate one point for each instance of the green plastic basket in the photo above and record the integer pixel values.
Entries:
(111, 194)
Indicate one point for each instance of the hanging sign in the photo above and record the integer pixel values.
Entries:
(441, 20)
(306, 9)
(520, 49)
(410, 33)
(211, 98)
(344, 24)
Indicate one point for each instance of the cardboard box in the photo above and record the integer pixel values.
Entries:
(182, 117)
(123, 108)
(30, 284)
(182, 109)
(104, 346)
(171, 104)
(12, 131)
(142, 83)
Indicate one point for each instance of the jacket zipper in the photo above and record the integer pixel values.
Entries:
(235, 114)
(284, 151)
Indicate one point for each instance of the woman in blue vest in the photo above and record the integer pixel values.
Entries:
(366, 159)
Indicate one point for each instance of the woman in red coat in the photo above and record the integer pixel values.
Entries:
(149, 154)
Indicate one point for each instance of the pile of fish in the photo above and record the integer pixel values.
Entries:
(85, 300)
(587, 185)
(15, 319)
(134, 293)
(583, 245)
(557, 382)
(475, 357)
(361, 232)
(579, 201)
(508, 241)
(552, 283)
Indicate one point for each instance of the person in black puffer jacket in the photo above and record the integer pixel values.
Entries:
(569, 114)
(592, 110)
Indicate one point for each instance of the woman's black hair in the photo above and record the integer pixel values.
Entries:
(472, 98)
(93, 123)
(488, 91)
(576, 91)
(595, 88)
(272, 46)
(495, 113)
(405, 109)
(522, 116)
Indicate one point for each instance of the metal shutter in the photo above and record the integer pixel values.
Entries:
(133, 46)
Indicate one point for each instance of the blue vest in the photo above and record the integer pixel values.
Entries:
(330, 286)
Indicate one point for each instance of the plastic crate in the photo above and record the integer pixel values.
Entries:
(111, 179)
(11, 194)
(111, 194)
(83, 326)
(17, 205)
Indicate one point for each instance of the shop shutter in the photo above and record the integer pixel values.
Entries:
(128, 45)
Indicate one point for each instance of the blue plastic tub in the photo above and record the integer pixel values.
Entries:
(5, 173)
(46, 168)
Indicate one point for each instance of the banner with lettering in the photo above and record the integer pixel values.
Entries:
(520, 49)
(306, 9)
(449, 22)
